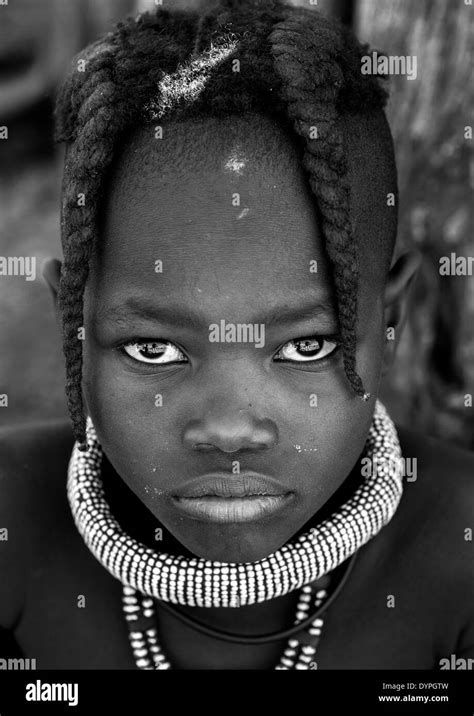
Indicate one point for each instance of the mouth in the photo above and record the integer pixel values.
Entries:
(225, 498)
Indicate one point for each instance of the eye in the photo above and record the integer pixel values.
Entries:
(156, 352)
(305, 350)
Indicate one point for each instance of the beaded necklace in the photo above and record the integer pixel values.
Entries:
(148, 653)
(147, 574)
(302, 640)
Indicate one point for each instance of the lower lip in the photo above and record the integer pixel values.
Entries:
(236, 509)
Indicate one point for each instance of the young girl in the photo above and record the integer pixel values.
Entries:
(237, 497)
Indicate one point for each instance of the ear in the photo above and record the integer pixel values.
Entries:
(396, 295)
(51, 271)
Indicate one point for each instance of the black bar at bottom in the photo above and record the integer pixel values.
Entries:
(134, 692)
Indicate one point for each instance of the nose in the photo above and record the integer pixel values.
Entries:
(230, 432)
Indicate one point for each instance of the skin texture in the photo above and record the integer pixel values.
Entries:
(246, 264)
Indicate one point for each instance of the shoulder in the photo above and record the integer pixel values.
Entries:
(33, 464)
(33, 458)
(35, 437)
(435, 524)
(439, 478)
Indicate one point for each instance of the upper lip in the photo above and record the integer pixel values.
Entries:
(226, 484)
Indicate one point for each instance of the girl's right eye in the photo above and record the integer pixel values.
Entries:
(154, 352)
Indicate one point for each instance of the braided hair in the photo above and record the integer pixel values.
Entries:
(292, 63)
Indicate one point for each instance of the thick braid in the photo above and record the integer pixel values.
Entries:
(306, 58)
(87, 157)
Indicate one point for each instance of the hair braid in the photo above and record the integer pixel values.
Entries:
(297, 66)
(86, 158)
(306, 57)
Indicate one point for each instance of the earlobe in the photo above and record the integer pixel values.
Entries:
(51, 271)
(401, 274)
(399, 280)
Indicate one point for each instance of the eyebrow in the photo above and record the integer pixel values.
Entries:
(190, 318)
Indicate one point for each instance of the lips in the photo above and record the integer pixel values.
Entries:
(224, 497)
(226, 484)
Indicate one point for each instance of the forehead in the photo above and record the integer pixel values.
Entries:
(218, 207)
(213, 199)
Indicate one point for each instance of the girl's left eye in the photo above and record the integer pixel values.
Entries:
(155, 352)
(305, 350)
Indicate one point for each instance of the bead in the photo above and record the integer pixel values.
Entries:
(143, 663)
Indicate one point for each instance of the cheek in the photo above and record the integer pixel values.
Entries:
(132, 419)
(329, 436)
(327, 441)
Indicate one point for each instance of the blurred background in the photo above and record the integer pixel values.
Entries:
(430, 385)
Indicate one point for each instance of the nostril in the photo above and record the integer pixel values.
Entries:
(207, 447)
(230, 436)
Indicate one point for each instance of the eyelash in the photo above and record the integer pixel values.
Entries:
(320, 361)
(142, 342)
(320, 339)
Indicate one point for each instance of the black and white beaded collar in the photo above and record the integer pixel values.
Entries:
(204, 583)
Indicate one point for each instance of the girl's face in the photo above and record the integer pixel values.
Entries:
(212, 371)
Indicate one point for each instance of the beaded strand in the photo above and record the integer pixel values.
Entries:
(140, 616)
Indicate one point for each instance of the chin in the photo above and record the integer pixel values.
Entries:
(232, 530)
(235, 556)
(236, 546)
